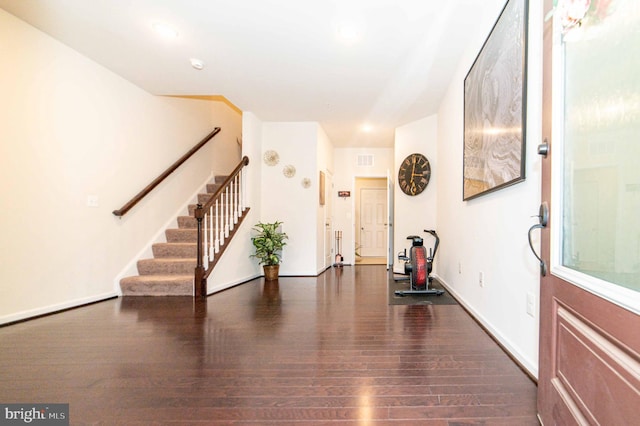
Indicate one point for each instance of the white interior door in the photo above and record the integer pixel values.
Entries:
(373, 222)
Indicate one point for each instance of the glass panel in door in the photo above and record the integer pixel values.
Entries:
(601, 160)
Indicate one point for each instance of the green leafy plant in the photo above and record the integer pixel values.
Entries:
(268, 243)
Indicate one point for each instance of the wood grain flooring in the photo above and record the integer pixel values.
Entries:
(325, 350)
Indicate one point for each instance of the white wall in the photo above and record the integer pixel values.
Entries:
(252, 148)
(70, 129)
(274, 197)
(230, 122)
(285, 199)
(414, 214)
(489, 234)
(344, 178)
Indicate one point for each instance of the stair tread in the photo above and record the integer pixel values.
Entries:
(169, 259)
(158, 277)
(179, 249)
(166, 266)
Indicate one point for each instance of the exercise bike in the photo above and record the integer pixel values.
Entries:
(419, 266)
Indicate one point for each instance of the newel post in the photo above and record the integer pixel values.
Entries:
(199, 283)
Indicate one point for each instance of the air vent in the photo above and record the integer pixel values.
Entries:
(365, 160)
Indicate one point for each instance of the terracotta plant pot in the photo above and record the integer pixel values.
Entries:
(271, 272)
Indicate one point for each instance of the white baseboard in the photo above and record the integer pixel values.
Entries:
(32, 313)
(531, 368)
(230, 284)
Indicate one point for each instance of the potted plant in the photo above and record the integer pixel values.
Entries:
(268, 243)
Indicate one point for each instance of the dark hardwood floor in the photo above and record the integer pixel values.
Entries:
(325, 350)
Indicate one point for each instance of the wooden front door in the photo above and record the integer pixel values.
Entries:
(589, 371)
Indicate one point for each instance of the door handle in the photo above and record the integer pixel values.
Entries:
(543, 219)
(543, 148)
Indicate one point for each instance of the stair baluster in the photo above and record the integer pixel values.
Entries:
(223, 209)
(236, 197)
(241, 195)
(217, 227)
(226, 216)
(212, 250)
(205, 246)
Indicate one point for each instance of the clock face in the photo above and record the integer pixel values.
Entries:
(414, 174)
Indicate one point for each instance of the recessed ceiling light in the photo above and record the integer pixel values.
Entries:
(165, 30)
(367, 128)
(348, 33)
(197, 63)
(349, 30)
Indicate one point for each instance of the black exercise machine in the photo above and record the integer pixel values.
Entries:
(419, 266)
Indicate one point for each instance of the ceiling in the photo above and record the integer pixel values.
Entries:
(283, 60)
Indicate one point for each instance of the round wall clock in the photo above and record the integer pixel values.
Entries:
(414, 174)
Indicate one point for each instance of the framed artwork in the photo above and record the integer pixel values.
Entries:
(321, 188)
(495, 106)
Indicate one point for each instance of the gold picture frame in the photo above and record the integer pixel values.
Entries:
(321, 185)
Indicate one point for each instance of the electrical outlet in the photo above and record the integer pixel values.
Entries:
(481, 279)
(531, 304)
(92, 201)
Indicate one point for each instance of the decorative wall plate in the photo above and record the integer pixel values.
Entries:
(271, 158)
(306, 183)
(289, 171)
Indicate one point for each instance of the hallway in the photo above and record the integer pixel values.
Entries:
(325, 350)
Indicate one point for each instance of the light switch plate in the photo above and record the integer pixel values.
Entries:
(92, 201)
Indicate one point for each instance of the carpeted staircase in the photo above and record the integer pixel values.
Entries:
(171, 270)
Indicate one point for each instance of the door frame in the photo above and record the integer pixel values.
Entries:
(355, 218)
(327, 221)
(363, 193)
